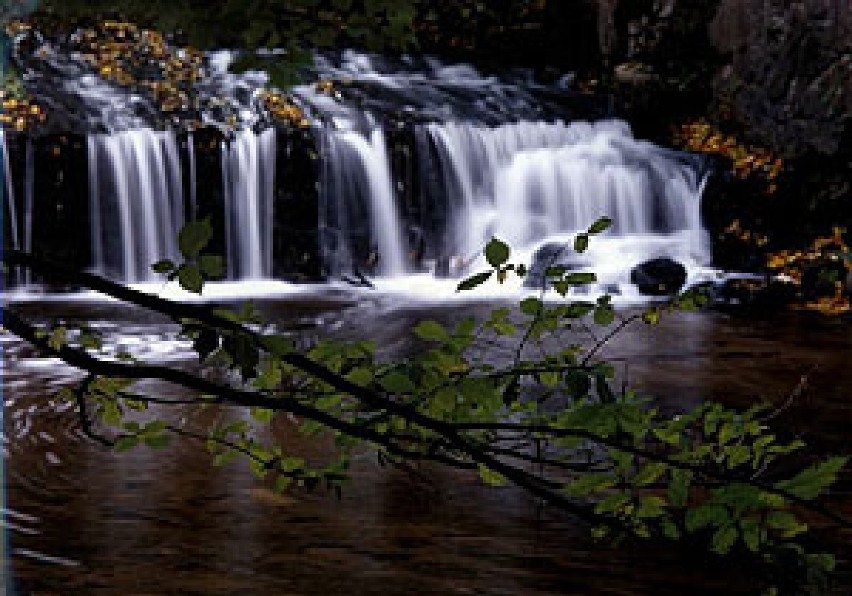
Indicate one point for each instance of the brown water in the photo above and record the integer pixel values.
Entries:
(84, 520)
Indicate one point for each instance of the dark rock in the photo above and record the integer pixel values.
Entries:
(658, 277)
(849, 284)
(442, 267)
(549, 255)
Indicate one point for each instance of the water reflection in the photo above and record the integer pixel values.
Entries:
(84, 520)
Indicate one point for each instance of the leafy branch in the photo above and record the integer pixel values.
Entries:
(553, 425)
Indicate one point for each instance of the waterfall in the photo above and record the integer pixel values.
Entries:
(136, 201)
(248, 166)
(420, 163)
(29, 203)
(357, 189)
(193, 175)
(528, 183)
(9, 192)
(10, 210)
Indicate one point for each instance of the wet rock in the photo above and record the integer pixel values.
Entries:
(442, 267)
(658, 277)
(549, 255)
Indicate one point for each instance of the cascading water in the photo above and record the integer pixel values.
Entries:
(248, 166)
(10, 210)
(530, 183)
(490, 158)
(136, 196)
(358, 188)
(29, 204)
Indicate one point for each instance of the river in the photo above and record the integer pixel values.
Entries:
(82, 519)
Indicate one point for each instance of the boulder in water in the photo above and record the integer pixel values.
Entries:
(549, 255)
(658, 277)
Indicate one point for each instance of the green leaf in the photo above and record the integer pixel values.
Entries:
(590, 483)
(600, 225)
(225, 457)
(497, 252)
(397, 382)
(206, 343)
(581, 278)
(282, 483)
(650, 473)
(126, 442)
(614, 503)
(431, 331)
(555, 271)
(474, 281)
(258, 468)
(581, 243)
(751, 534)
(90, 341)
(650, 506)
(193, 237)
(211, 266)
(111, 414)
(157, 441)
(823, 561)
(164, 266)
(490, 477)
(269, 376)
(670, 530)
(678, 492)
(278, 345)
(706, 515)
(361, 375)
(58, 338)
(724, 539)
(444, 400)
(811, 482)
(651, 316)
(785, 523)
(604, 315)
(531, 306)
(577, 310)
(190, 278)
(262, 415)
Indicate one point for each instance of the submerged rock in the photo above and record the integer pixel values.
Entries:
(658, 277)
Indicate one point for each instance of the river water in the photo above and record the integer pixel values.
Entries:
(83, 520)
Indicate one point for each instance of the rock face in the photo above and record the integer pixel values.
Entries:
(658, 277)
(790, 74)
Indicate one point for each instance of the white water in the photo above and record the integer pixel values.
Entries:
(136, 195)
(529, 182)
(10, 209)
(29, 203)
(533, 183)
(358, 178)
(193, 175)
(248, 166)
